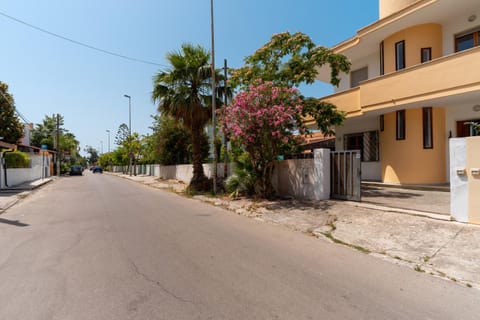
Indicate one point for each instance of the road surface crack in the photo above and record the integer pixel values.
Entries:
(446, 243)
(159, 285)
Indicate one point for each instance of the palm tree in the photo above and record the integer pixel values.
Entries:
(184, 92)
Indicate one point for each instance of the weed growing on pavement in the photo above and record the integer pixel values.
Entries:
(359, 248)
(331, 222)
(418, 268)
(426, 259)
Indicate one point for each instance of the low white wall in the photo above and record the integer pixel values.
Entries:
(307, 179)
(184, 172)
(372, 171)
(39, 169)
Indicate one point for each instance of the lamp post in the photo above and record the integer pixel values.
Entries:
(108, 132)
(129, 133)
(214, 124)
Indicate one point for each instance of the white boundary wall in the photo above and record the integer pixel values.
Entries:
(39, 169)
(307, 179)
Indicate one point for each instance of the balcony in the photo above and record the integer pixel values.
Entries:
(432, 83)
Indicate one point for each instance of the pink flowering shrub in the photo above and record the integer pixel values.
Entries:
(263, 119)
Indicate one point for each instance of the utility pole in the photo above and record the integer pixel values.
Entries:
(58, 145)
(108, 131)
(214, 124)
(225, 99)
(130, 155)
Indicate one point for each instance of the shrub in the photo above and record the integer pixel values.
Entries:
(242, 181)
(17, 159)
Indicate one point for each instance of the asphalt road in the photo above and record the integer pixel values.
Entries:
(101, 247)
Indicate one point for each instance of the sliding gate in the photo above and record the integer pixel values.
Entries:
(345, 177)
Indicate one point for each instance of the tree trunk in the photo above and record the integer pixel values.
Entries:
(199, 181)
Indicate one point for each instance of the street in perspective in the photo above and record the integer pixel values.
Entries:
(103, 247)
(240, 160)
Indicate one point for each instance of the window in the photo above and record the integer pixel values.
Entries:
(400, 55)
(357, 76)
(382, 59)
(427, 128)
(400, 125)
(366, 142)
(467, 41)
(426, 54)
(382, 123)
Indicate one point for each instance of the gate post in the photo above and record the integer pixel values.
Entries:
(321, 160)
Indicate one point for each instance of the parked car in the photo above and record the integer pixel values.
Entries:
(97, 169)
(76, 170)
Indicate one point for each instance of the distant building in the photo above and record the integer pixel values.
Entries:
(27, 129)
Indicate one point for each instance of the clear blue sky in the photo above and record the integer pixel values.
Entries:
(47, 75)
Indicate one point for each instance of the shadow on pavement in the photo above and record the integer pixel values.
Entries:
(368, 191)
(13, 223)
(297, 204)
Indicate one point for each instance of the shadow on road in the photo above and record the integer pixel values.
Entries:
(14, 223)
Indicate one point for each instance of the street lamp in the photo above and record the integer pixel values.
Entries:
(130, 155)
(214, 124)
(108, 131)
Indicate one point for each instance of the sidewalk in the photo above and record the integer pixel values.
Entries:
(424, 241)
(11, 195)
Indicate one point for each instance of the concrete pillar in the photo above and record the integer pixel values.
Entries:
(321, 158)
(465, 179)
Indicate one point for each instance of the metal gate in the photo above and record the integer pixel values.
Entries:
(345, 175)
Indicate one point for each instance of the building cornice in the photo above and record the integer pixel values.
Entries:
(379, 24)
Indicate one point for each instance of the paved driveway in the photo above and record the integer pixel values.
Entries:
(421, 200)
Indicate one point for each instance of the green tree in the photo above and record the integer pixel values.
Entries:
(172, 143)
(93, 155)
(184, 92)
(290, 60)
(45, 132)
(70, 146)
(11, 130)
(122, 134)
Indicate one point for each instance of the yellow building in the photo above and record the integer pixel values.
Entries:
(414, 83)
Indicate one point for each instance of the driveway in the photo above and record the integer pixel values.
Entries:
(427, 200)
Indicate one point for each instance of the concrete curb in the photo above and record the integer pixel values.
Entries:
(9, 205)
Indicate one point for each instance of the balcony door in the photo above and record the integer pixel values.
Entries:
(464, 129)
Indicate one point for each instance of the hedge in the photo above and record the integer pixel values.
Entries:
(17, 159)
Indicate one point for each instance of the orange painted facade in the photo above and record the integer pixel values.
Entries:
(406, 161)
(416, 38)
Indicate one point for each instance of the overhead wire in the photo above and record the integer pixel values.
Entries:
(25, 119)
(80, 43)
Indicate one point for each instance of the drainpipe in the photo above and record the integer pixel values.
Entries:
(5, 166)
(2, 165)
